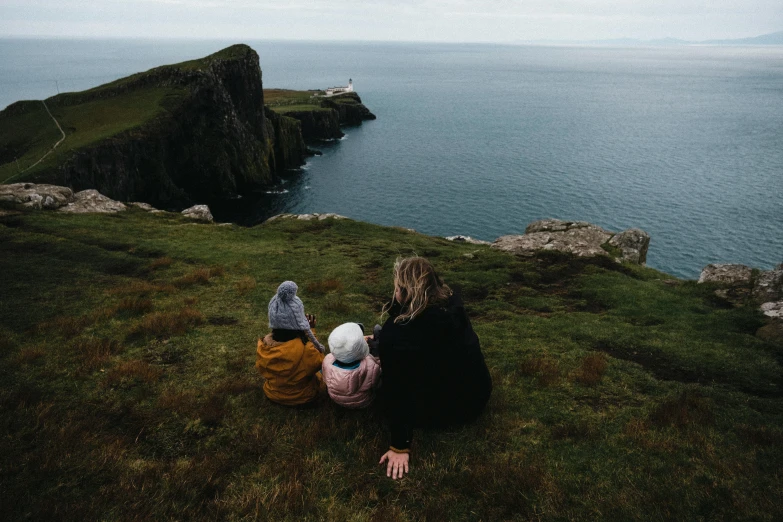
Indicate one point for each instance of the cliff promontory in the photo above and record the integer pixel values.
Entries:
(321, 117)
(172, 136)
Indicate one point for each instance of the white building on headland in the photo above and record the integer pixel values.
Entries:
(331, 91)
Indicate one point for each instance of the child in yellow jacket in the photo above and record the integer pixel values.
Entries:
(290, 357)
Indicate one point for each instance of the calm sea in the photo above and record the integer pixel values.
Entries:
(683, 142)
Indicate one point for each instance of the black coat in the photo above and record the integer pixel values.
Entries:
(434, 374)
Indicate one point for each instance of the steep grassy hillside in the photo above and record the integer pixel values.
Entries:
(30, 133)
(128, 392)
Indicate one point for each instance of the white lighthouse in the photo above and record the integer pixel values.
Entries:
(333, 91)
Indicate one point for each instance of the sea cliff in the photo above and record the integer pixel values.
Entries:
(194, 132)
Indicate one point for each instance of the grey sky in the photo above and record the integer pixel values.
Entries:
(428, 20)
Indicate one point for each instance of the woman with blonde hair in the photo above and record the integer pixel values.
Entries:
(434, 374)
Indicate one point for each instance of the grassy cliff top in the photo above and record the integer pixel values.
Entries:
(128, 389)
(28, 132)
(284, 100)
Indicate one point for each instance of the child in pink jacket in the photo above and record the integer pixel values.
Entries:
(351, 374)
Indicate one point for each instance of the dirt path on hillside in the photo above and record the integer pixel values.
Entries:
(55, 145)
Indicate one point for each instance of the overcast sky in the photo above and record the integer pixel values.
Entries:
(407, 20)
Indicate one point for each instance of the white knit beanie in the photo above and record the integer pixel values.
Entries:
(347, 344)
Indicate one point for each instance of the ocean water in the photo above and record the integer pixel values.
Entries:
(683, 142)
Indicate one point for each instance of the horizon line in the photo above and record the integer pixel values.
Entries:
(601, 41)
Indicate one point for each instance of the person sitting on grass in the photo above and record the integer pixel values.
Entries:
(350, 372)
(434, 374)
(290, 357)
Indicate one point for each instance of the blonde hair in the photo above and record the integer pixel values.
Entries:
(420, 286)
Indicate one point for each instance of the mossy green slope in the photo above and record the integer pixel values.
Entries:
(31, 133)
(128, 387)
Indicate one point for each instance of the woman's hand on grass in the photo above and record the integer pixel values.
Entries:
(311, 320)
(396, 464)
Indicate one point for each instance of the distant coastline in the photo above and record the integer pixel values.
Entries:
(775, 38)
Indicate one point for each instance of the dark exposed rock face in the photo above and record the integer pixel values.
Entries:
(319, 125)
(287, 143)
(216, 143)
(334, 112)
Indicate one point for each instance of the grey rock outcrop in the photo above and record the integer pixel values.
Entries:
(773, 309)
(32, 196)
(727, 274)
(467, 239)
(741, 285)
(576, 237)
(199, 213)
(769, 285)
(633, 244)
(143, 206)
(766, 286)
(92, 201)
(306, 217)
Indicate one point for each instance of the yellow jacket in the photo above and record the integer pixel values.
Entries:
(290, 370)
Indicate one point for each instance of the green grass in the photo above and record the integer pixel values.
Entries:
(283, 109)
(29, 135)
(275, 97)
(128, 391)
(284, 101)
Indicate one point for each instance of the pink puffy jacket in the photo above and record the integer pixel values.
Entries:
(352, 388)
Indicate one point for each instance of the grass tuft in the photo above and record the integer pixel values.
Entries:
(199, 276)
(216, 271)
(129, 373)
(213, 410)
(245, 285)
(93, 352)
(545, 369)
(166, 324)
(324, 286)
(29, 354)
(234, 386)
(135, 305)
(161, 262)
(141, 288)
(182, 401)
(67, 326)
(684, 411)
(592, 369)
(337, 305)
